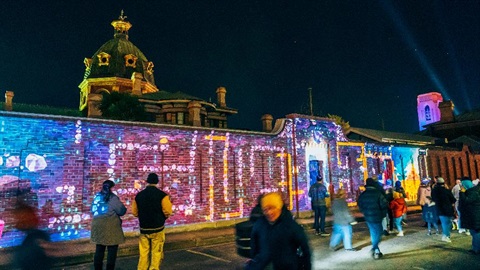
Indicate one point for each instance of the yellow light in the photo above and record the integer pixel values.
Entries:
(163, 140)
(215, 138)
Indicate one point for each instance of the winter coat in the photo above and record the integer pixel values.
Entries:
(444, 200)
(106, 223)
(398, 207)
(372, 204)
(31, 255)
(341, 213)
(470, 208)
(277, 243)
(318, 192)
(429, 213)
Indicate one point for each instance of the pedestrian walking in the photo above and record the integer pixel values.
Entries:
(318, 192)
(424, 190)
(444, 201)
(152, 206)
(430, 215)
(456, 194)
(32, 253)
(278, 242)
(373, 205)
(106, 231)
(399, 208)
(470, 207)
(342, 220)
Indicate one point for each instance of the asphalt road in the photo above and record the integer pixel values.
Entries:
(416, 250)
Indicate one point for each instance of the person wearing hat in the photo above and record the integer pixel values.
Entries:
(469, 206)
(277, 239)
(152, 206)
(373, 205)
(106, 231)
(444, 201)
(318, 192)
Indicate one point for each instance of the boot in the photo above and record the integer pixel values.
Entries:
(110, 266)
(98, 266)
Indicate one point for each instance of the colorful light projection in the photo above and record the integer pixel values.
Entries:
(406, 162)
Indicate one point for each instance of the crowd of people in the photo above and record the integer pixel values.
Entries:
(277, 240)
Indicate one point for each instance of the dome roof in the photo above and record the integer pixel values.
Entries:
(119, 57)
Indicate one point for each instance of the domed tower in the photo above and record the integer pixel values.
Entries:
(118, 65)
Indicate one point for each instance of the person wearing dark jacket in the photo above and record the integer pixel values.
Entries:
(152, 206)
(444, 201)
(277, 240)
(373, 205)
(318, 192)
(469, 205)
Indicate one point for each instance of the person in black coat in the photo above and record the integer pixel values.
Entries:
(277, 240)
(373, 205)
(444, 201)
(469, 206)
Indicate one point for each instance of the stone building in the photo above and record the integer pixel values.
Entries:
(119, 66)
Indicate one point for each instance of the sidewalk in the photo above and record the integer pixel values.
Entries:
(81, 251)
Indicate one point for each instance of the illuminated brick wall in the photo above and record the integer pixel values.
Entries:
(58, 164)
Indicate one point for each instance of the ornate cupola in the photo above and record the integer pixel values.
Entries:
(118, 65)
(121, 26)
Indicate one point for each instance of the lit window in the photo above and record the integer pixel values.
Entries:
(428, 116)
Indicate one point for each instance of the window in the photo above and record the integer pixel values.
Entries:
(130, 60)
(103, 59)
(180, 118)
(428, 115)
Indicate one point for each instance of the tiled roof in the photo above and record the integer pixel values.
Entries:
(392, 137)
(165, 95)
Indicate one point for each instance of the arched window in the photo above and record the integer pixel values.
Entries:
(428, 115)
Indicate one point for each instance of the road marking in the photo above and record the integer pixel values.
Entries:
(208, 255)
(419, 268)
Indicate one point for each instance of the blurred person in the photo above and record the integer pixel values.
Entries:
(430, 215)
(318, 192)
(380, 188)
(107, 232)
(444, 201)
(342, 220)
(470, 207)
(256, 212)
(277, 240)
(424, 190)
(389, 196)
(152, 206)
(398, 188)
(33, 252)
(373, 204)
(399, 208)
(456, 194)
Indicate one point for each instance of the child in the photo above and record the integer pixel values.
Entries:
(342, 223)
(399, 207)
(430, 215)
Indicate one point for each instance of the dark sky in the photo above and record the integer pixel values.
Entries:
(365, 60)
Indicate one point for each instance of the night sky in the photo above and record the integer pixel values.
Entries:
(365, 60)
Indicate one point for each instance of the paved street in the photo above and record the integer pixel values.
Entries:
(415, 250)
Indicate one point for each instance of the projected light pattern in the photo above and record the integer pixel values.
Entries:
(410, 41)
(210, 175)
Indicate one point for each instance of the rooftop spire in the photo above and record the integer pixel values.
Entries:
(121, 26)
